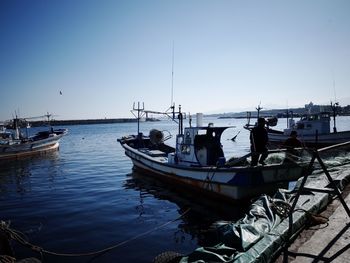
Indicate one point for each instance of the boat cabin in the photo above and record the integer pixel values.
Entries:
(310, 123)
(199, 146)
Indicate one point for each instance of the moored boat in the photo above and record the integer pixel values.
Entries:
(15, 144)
(313, 129)
(197, 162)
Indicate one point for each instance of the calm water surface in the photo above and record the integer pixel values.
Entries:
(85, 197)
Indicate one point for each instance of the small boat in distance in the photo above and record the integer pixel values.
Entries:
(16, 143)
(197, 162)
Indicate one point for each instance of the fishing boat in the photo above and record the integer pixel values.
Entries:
(197, 162)
(15, 141)
(313, 129)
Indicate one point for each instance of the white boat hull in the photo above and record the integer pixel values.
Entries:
(18, 150)
(313, 139)
(233, 184)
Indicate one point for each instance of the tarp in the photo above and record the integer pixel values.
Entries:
(238, 237)
(260, 235)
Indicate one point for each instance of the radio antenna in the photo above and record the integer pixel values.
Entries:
(172, 78)
(335, 94)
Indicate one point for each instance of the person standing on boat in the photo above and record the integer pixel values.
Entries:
(258, 143)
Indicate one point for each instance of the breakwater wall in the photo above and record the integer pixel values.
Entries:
(85, 122)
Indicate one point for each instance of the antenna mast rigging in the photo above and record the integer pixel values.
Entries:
(172, 79)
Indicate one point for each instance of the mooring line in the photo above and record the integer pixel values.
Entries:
(16, 235)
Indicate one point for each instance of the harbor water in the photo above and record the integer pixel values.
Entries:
(86, 197)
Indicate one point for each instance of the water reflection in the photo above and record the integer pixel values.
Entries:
(16, 175)
(199, 212)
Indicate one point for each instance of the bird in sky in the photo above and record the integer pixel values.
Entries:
(60, 92)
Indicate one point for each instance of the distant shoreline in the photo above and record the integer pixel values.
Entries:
(132, 120)
(297, 112)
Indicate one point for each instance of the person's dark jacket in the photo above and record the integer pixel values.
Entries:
(259, 139)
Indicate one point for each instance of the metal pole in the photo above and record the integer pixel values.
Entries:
(290, 218)
(138, 118)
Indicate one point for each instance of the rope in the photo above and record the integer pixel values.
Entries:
(7, 259)
(283, 209)
(280, 207)
(20, 237)
(209, 178)
(314, 219)
(16, 235)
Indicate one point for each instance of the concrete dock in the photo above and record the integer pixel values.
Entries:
(328, 242)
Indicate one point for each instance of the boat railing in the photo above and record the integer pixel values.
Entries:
(301, 155)
(335, 146)
(295, 155)
(305, 154)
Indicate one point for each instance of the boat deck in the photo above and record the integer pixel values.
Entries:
(157, 155)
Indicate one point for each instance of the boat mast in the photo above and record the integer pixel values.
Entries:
(172, 104)
(180, 121)
(334, 106)
(334, 110)
(139, 110)
(48, 116)
(172, 79)
(16, 127)
(258, 109)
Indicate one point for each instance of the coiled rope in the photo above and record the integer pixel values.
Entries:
(283, 210)
(7, 259)
(280, 207)
(18, 236)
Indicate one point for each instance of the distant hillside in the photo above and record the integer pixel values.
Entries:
(281, 113)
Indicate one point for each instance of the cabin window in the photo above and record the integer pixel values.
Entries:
(300, 126)
(325, 116)
(202, 132)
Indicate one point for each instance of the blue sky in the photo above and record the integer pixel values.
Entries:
(228, 55)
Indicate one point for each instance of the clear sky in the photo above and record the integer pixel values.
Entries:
(228, 55)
